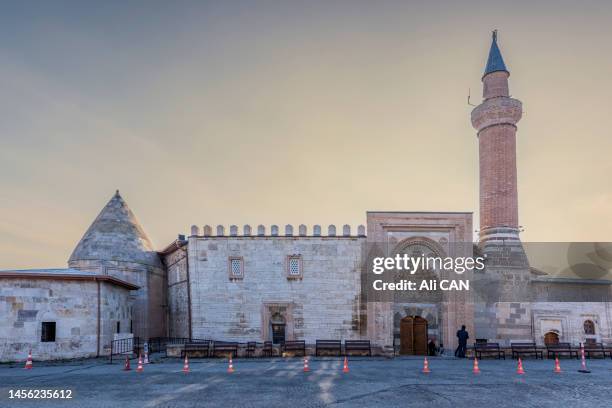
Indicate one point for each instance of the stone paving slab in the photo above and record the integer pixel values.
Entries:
(281, 383)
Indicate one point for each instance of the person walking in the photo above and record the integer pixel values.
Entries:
(463, 337)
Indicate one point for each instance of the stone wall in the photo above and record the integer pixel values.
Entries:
(72, 304)
(178, 296)
(566, 319)
(148, 302)
(324, 303)
(563, 305)
(115, 308)
(504, 291)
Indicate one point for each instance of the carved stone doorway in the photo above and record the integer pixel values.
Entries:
(277, 323)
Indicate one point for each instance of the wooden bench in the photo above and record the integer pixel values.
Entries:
(201, 349)
(519, 349)
(298, 346)
(250, 349)
(555, 350)
(267, 349)
(608, 348)
(334, 347)
(595, 348)
(361, 346)
(225, 348)
(481, 348)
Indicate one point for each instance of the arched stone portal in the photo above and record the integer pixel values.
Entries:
(420, 234)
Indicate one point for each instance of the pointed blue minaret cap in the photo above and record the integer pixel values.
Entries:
(495, 62)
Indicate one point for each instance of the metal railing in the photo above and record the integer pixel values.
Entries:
(124, 346)
(160, 344)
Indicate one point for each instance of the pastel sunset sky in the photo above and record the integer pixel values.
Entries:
(283, 112)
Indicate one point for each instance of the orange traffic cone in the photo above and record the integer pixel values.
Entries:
(186, 365)
(519, 369)
(557, 365)
(140, 368)
(476, 369)
(583, 366)
(306, 368)
(28, 364)
(126, 366)
(230, 367)
(345, 368)
(425, 367)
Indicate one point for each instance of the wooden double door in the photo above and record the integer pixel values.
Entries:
(413, 336)
(551, 338)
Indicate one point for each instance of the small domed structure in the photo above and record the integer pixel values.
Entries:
(115, 244)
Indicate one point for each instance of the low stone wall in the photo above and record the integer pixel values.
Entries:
(71, 305)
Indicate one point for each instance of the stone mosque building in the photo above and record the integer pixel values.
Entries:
(259, 284)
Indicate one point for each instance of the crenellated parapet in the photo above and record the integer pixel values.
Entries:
(302, 231)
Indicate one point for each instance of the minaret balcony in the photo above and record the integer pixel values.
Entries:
(497, 111)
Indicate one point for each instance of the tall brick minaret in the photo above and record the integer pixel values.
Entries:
(502, 310)
(495, 120)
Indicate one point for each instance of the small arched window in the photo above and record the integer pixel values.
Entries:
(589, 327)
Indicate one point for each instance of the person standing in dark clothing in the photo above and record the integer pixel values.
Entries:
(463, 337)
(431, 347)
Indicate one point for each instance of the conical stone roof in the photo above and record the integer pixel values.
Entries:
(115, 235)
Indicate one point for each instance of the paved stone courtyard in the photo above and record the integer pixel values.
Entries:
(281, 383)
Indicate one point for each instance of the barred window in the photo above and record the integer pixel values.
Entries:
(236, 267)
(294, 267)
(48, 332)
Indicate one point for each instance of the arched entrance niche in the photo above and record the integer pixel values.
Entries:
(421, 310)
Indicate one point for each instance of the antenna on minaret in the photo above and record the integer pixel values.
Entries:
(495, 34)
(468, 99)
